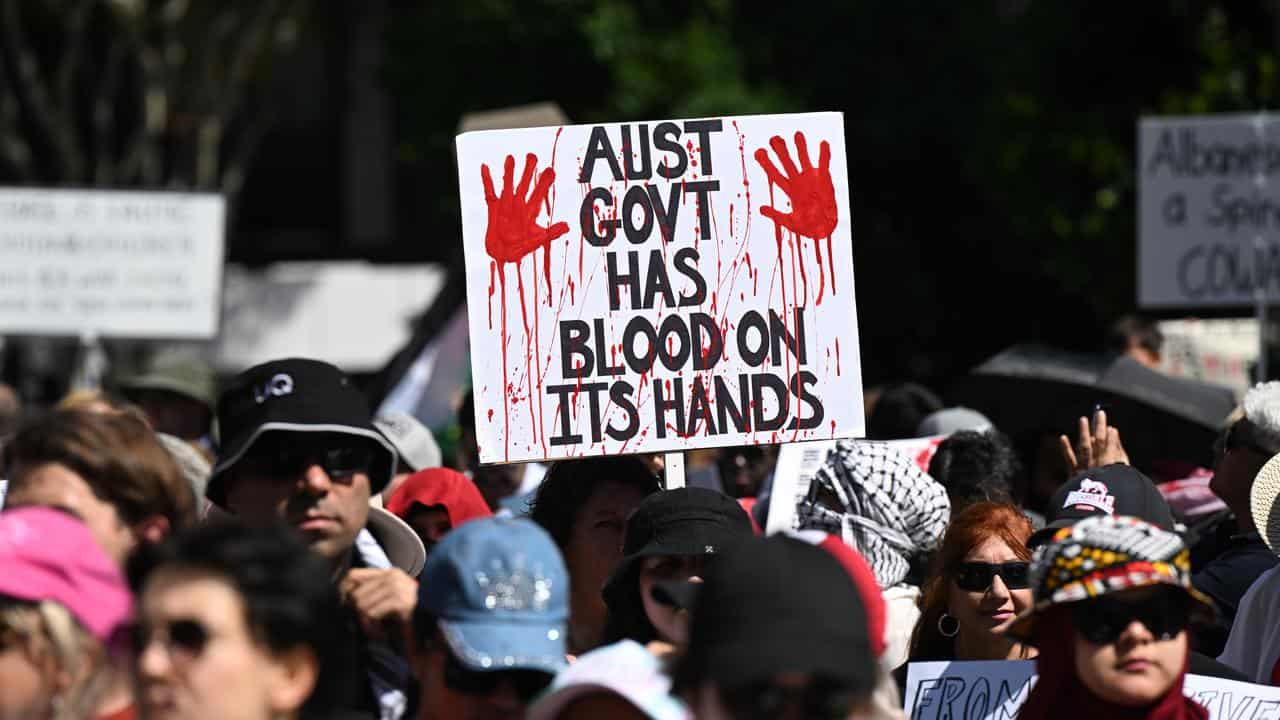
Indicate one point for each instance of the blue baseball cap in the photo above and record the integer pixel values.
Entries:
(499, 592)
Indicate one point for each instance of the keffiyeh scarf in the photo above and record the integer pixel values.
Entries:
(880, 503)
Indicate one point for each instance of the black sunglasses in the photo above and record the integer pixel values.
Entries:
(977, 576)
(279, 458)
(1235, 438)
(185, 638)
(821, 700)
(1102, 620)
(527, 683)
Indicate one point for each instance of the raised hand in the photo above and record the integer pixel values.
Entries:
(1097, 444)
(513, 230)
(813, 197)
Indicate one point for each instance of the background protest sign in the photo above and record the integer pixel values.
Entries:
(997, 689)
(799, 462)
(123, 264)
(1208, 209)
(657, 286)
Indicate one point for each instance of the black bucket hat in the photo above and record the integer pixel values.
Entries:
(293, 395)
(684, 521)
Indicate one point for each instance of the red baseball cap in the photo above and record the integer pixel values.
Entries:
(440, 486)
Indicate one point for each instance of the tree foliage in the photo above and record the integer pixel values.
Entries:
(137, 93)
(991, 143)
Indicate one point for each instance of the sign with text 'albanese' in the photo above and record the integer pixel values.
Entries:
(1208, 210)
(115, 264)
(657, 286)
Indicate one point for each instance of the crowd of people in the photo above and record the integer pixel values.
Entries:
(276, 551)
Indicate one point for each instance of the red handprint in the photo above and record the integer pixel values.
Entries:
(513, 230)
(813, 197)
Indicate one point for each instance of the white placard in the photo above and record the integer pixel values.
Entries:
(1208, 209)
(118, 264)
(792, 475)
(798, 463)
(651, 287)
(996, 690)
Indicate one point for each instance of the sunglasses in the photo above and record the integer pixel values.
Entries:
(765, 701)
(1102, 620)
(1234, 439)
(526, 683)
(277, 458)
(184, 639)
(977, 576)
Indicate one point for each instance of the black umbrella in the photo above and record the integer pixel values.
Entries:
(1028, 391)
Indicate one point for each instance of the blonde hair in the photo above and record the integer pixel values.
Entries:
(47, 630)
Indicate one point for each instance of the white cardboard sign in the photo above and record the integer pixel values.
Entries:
(1208, 209)
(798, 463)
(659, 286)
(996, 690)
(123, 264)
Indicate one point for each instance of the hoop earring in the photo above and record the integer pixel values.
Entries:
(948, 626)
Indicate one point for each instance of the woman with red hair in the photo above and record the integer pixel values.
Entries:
(978, 585)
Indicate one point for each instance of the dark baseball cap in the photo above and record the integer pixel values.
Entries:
(775, 605)
(295, 395)
(684, 521)
(1109, 490)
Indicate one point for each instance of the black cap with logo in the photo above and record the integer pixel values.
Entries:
(1109, 490)
(294, 395)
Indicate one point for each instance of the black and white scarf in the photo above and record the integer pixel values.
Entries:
(880, 503)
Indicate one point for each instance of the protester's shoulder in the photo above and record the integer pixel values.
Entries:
(1201, 664)
(1260, 602)
(901, 592)
(1267, 586)
(1249, 560)
(1235, 571)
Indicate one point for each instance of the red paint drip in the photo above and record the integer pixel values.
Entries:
(817, 252)
(837, 356)
(537, 339)
(493, 267)
(831, 263)
(506, 414)
(528, 348)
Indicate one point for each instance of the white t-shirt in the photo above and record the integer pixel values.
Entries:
(1254, 644)
(902, 612)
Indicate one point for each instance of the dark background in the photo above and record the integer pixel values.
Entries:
(991, 144)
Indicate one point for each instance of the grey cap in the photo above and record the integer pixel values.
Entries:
(954, 419)
(413, 442)
(194, 466)
(177, 371)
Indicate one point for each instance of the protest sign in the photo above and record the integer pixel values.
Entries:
(122, 264)
(799, 462)
(996, 690)
(658, 286)
(792, 476)
(1208, 209)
